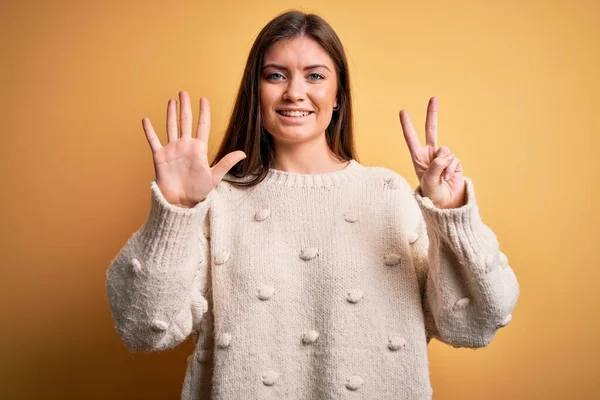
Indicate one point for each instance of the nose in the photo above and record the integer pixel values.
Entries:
(295, 90)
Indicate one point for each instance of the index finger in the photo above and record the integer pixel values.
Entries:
(410, 136)
(151, 135)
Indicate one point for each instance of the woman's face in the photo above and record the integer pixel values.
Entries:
(298, 89)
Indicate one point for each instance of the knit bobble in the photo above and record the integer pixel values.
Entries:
(355, 296)
(159, 326)
(223, 340)
(461, 303)
(310, 336)
(262, 214)
(136, 266)
(198, 304)
(265, 292)
(221, 257)
(308, 253)
(505, 321)
(350, 217)
(354, 382)
(202, 355)
(392, 259)
(270, 377)
(396, 343)
(413, 237)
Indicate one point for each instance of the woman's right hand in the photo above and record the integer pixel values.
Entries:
(182, 170)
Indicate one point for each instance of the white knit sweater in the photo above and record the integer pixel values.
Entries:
(311, 286)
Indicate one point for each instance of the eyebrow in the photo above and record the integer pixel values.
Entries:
(305, 68)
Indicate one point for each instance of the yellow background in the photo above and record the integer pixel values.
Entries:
(517, 83)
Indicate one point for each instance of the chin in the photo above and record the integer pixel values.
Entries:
(293, 135)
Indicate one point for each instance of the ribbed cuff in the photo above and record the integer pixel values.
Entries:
(460, 226)
(171, 226)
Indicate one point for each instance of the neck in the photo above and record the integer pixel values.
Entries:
(313, 157)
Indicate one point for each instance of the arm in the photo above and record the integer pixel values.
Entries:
(467, 286)
(155, 283)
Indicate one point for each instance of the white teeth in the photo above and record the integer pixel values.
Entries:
(294, 113)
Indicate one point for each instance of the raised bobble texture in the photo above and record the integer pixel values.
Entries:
(354, 382)
(270, 377)
(355, 296)
(266, 292)
(505, 321)
(310, 336)
(159, 326)
(413, 237)
(262, 214)
(223, 340)
(461, 303)
(392, 259)
(350, 217)
(308, 253)
(396, 343)
(136, 266)
(221, 257)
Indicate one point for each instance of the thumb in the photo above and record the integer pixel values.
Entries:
(225, 164)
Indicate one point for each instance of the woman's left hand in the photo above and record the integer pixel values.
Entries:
(438, 169)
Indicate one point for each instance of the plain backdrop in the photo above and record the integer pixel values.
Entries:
(517, 83)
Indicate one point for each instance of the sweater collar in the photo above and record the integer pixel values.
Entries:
(336, 178)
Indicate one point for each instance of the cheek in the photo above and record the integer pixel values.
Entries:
(324, 95)
(268, 98)
(265, 101)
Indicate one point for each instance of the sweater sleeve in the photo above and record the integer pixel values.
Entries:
(468, 288)
(156, 283)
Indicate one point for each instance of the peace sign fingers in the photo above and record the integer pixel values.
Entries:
(410, 135)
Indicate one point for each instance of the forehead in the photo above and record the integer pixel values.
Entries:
(298, 51)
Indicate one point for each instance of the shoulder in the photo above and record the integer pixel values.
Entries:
(396, 192)
(387, 179)
(389, 199)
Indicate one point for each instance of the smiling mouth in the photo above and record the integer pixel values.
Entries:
(294, 113)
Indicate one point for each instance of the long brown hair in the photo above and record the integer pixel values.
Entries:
(245, 130)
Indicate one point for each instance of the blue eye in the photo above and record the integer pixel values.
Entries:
(270, 76)
(277, 76)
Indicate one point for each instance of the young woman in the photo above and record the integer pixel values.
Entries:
(301, 273)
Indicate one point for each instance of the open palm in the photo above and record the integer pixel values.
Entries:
(183, 172)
